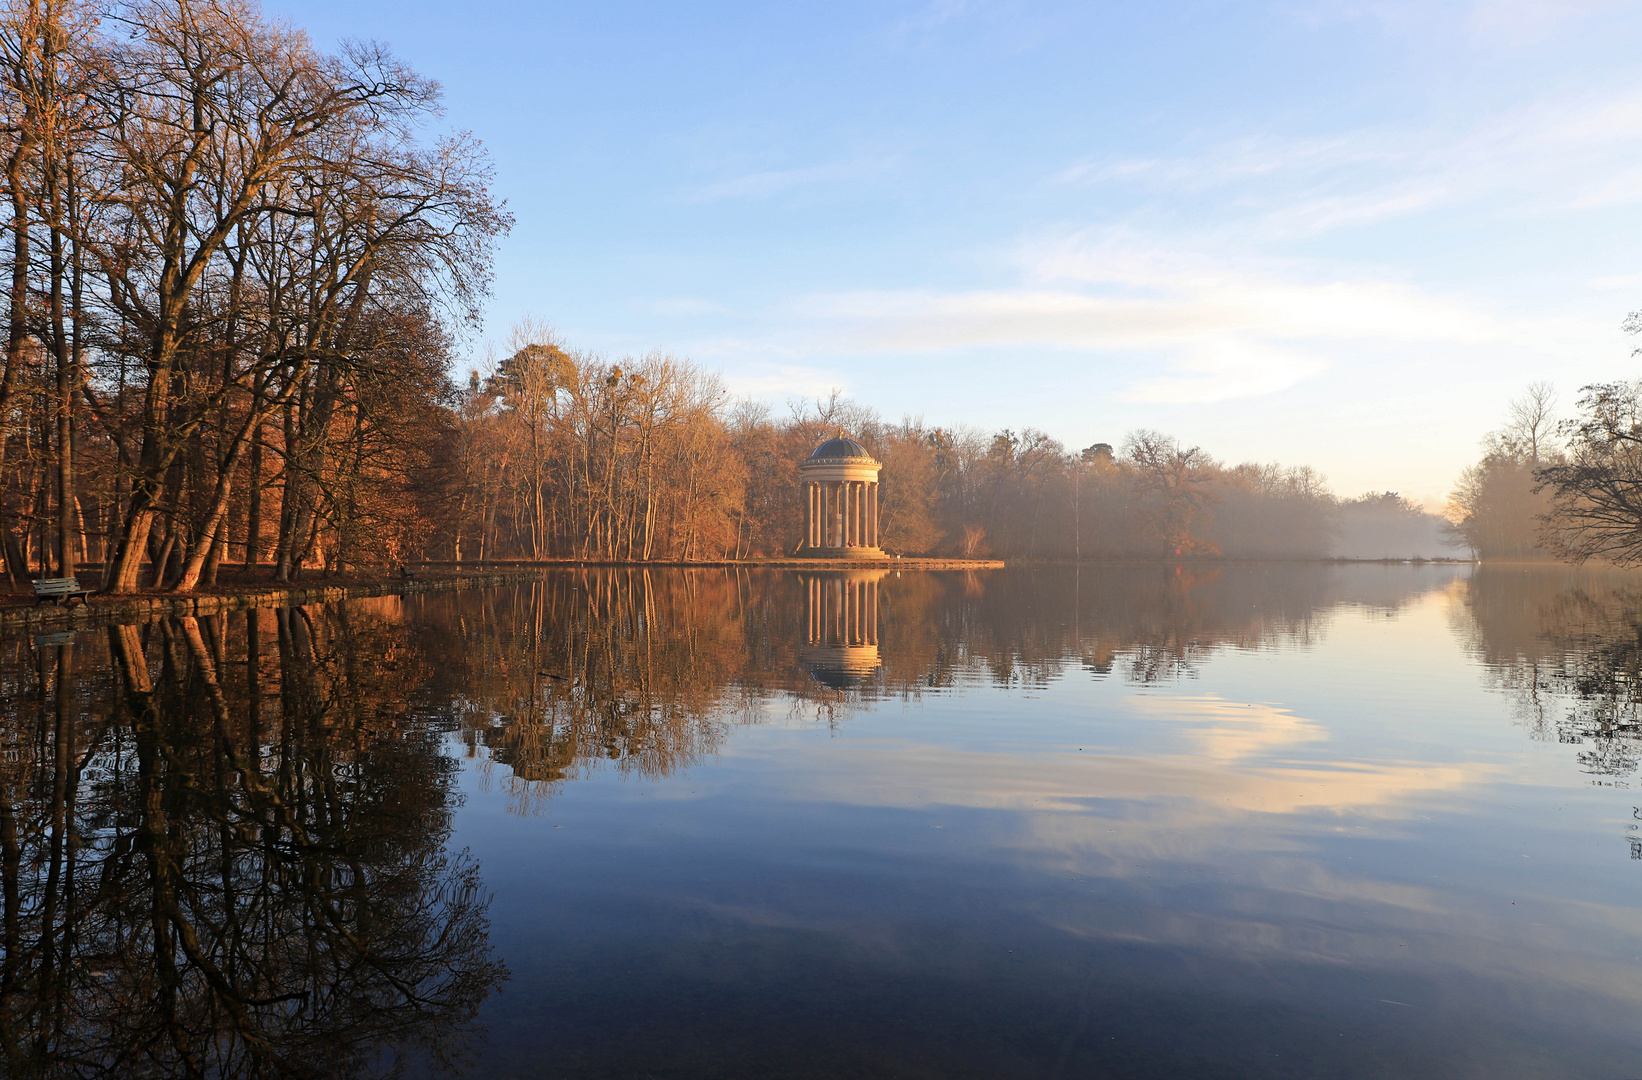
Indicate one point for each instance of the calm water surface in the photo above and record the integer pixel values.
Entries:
(1261, 821)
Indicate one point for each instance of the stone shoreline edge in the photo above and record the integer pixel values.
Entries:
(142, 608)
(118, 610)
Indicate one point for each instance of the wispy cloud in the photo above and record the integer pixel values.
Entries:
(767, 183)
(1576, 152)
(1524, 21)
(928, 17)
(1214, 330)
(766, 381)
(1499, 23)
(1617, 283)
(687, 308)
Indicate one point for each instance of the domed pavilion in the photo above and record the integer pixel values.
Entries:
(840, 501)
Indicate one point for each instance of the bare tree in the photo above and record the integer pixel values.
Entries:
(1596, 492)
(214, 113)
(1530, 429)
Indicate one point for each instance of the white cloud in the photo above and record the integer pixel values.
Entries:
(1575, 152)
(782, 381)
(770, 182)
(1617, 283)
(687, 308)
(1216, 329)
(1227, 372)
(929, 17)
(1522, 22)
(1509, 24)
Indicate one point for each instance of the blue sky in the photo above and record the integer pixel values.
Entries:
(1326, 232)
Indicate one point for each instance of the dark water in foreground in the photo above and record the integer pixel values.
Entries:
(1263, 821)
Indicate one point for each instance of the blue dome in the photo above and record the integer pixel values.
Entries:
(840, 448)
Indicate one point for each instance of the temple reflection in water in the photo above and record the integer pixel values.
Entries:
(841, 627)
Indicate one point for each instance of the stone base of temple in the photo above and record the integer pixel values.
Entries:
(844, 553)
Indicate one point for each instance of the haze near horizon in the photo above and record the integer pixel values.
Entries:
(1328, 233)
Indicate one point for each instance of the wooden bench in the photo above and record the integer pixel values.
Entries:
(59, 590)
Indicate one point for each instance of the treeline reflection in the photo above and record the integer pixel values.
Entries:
(223, 854)
(1566, 647)
(645, 670)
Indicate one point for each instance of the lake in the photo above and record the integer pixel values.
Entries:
(1266, 820)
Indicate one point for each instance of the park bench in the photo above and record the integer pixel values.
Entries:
(59, 590)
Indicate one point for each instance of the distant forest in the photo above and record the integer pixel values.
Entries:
(558, 453)
(239, 271)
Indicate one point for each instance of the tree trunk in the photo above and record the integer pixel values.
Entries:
(208, 540)
(253, 514)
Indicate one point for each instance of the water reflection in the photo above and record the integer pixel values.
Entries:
(224, 854)
(1058, 819)
(648, 671)
(841, 627)
(1566, 646)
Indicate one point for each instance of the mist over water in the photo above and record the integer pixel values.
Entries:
(1258, 820)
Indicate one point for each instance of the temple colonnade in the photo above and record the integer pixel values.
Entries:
(841, 513)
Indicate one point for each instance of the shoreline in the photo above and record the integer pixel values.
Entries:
(794, 563)
(140, 607)
(18, 611)
(21, 611)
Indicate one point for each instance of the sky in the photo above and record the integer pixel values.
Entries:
(1343, 233)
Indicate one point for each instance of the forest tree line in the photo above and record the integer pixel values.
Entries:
(562, 454)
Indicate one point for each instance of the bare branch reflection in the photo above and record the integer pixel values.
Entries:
(224, 854)
(1566, 645)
